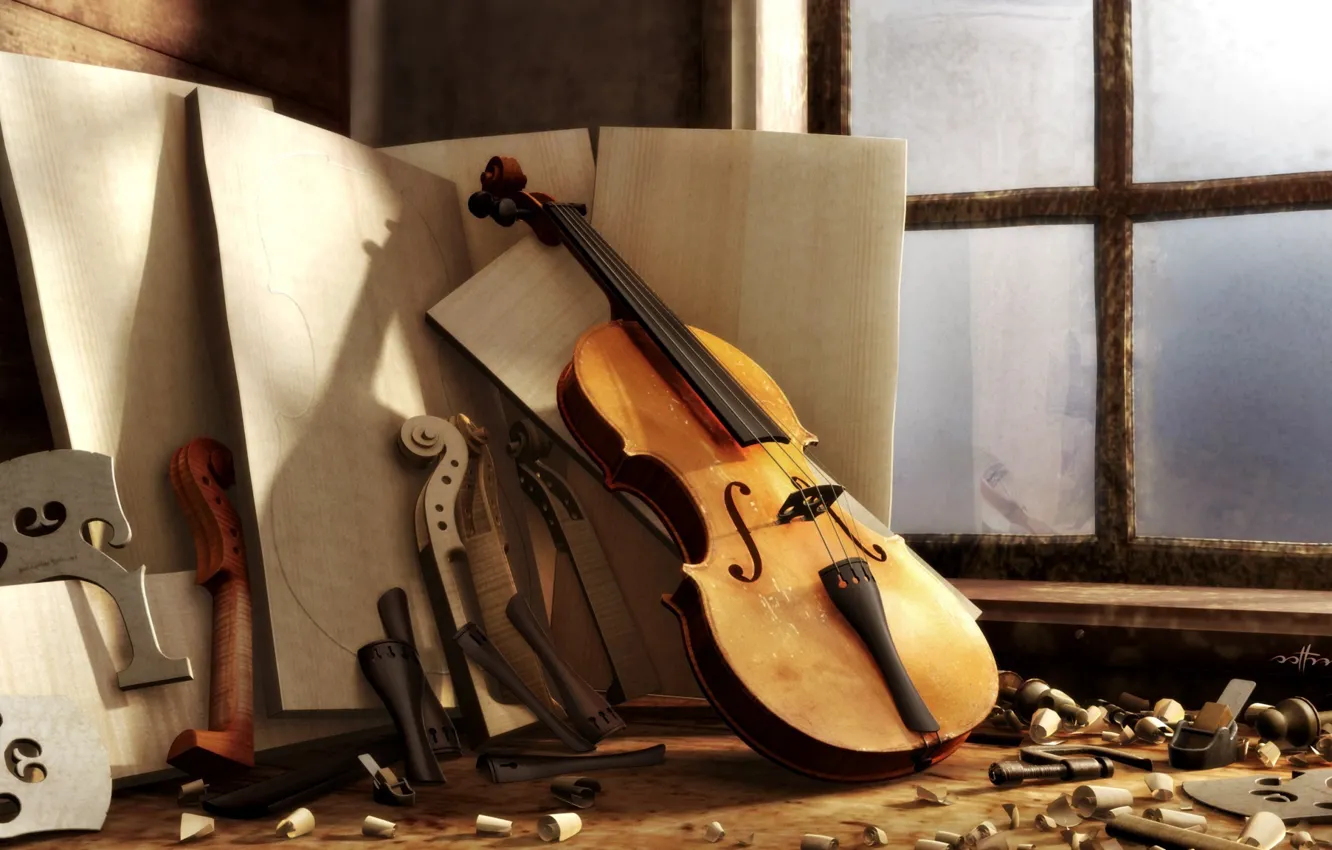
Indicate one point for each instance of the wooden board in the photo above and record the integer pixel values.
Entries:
(94, 184)
(81, 643)
(708, 776)
(330, 253)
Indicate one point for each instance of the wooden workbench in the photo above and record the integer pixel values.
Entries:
(709, 775)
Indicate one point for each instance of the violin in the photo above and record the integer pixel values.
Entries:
(827, 647)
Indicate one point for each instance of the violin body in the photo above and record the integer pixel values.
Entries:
(769, 648)
(827, 647)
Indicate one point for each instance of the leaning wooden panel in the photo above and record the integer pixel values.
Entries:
(788, 246)
(81, 644)
(558, 163)
(330, 254)
(95, 190)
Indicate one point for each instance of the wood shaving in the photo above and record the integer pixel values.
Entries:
(875, 837)
(1062, 811)
(715, 832)
(1269, 753)
(1169, 710)
(194, 826)
(929, 795)
(1162, 786)
(979, 833)
(1045, 823)
(1014, 816)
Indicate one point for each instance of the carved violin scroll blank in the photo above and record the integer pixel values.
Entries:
(738, 572)
(201, 471)
(421, 439)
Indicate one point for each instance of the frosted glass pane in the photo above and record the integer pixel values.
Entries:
(989, 94)
(1231, 88)
(1232, 360)
(996, 384)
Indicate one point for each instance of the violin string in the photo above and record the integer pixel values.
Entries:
(571, 218)
(632, 278)
(577, 226)
(711, 363)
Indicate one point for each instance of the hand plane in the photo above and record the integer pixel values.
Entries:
(48, 499)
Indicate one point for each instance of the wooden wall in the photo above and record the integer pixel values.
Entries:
(425, 70)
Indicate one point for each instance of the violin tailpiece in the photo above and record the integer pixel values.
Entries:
(393, 669)
(854, 591)
(588, 712)
(396, 618)
(476, 646)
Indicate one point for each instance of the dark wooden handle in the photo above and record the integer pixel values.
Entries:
(201, 472)
(588, 712)
(476, 646)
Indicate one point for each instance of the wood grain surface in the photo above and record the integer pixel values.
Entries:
(31, 31)
(96, 194)
(295, 49)
(708, 776)
(70, 641)
(330, 254)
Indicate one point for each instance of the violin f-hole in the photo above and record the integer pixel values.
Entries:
(738, 572)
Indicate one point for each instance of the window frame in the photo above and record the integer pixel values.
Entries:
(1231, 571)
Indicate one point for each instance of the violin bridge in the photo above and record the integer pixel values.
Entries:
(809, 502)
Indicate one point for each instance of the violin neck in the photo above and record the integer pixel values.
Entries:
(733, 406)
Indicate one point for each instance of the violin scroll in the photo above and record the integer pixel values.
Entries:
(504, 200)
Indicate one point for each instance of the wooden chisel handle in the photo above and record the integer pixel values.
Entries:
(201, 472)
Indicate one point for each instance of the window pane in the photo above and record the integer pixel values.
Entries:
(996, 382)
(1232, 359)
(1231, 88)
(989, 94)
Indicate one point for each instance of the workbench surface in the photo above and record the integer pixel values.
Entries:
(709, 776)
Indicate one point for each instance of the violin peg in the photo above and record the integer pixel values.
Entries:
(481, 204)
(506, 212)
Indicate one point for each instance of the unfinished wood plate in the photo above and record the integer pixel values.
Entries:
(330, 254)
(96, 193)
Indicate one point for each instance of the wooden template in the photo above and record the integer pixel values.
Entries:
(329, 255)
(80, 645)
(95, 187)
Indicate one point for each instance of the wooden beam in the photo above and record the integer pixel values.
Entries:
(296, 49)
(1276, 193)
(829, 32)
(1015, 206)
(33, 32)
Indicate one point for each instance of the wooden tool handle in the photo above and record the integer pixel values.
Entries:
(200, 473)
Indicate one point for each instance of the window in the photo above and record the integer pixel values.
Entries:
(1117, 280)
